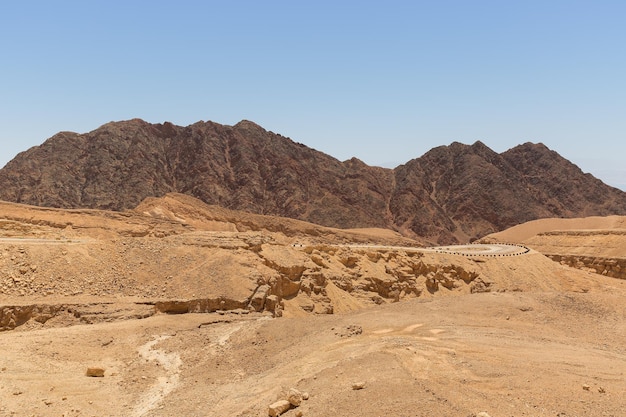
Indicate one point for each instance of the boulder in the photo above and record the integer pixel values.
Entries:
(358, 385)
(95, 372)
(278, 408)
(257, 302)
(295, 397)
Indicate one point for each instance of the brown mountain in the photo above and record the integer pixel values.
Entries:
(450, 194)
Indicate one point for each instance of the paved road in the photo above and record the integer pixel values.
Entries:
(481, 249)
(487, 250)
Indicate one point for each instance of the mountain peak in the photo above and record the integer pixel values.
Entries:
(248, 125)
(479, 145)
(136, 122)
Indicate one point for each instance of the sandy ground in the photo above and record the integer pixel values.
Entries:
(511, 336)
(507, 354)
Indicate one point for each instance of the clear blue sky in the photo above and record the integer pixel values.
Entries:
(382, 81)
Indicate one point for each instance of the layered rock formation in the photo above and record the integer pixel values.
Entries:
(451, 194)
(610, 267)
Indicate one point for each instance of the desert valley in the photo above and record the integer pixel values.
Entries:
(209, 270)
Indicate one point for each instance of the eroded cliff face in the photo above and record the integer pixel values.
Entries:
(610, 267)
(450, 194)
(225, 271)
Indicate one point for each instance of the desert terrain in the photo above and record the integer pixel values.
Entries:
(179, 308)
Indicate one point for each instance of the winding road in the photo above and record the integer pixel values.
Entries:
(487, 250)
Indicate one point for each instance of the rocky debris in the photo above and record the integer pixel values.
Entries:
(257, 301)
(278, 408)
(293, 400)
(349, 331)
(586, 387)
(356, 386)
(451, 193)
(274, 304)
(295, 397)
(610, 267)
(479, 286)
(95, 372)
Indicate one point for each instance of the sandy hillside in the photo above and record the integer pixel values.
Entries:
(595, 236)
(594, 244)
(195, 310)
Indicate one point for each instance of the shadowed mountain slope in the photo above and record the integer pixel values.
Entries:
(452, 193)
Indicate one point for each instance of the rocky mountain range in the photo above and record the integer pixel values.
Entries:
(450, 194)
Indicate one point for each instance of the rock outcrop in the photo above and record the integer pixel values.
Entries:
(610, 267)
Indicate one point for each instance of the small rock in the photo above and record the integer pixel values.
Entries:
(586, 387)
(601, 390)
(305, 396)
(358, 385)
(299, 413)
(294, 397)
(278, 408)
(95, 372)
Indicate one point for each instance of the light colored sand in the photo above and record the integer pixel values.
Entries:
(522, 232)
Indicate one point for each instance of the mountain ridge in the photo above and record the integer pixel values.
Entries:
(453, 193)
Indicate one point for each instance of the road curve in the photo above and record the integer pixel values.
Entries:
(492, 249)
(485, 250)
